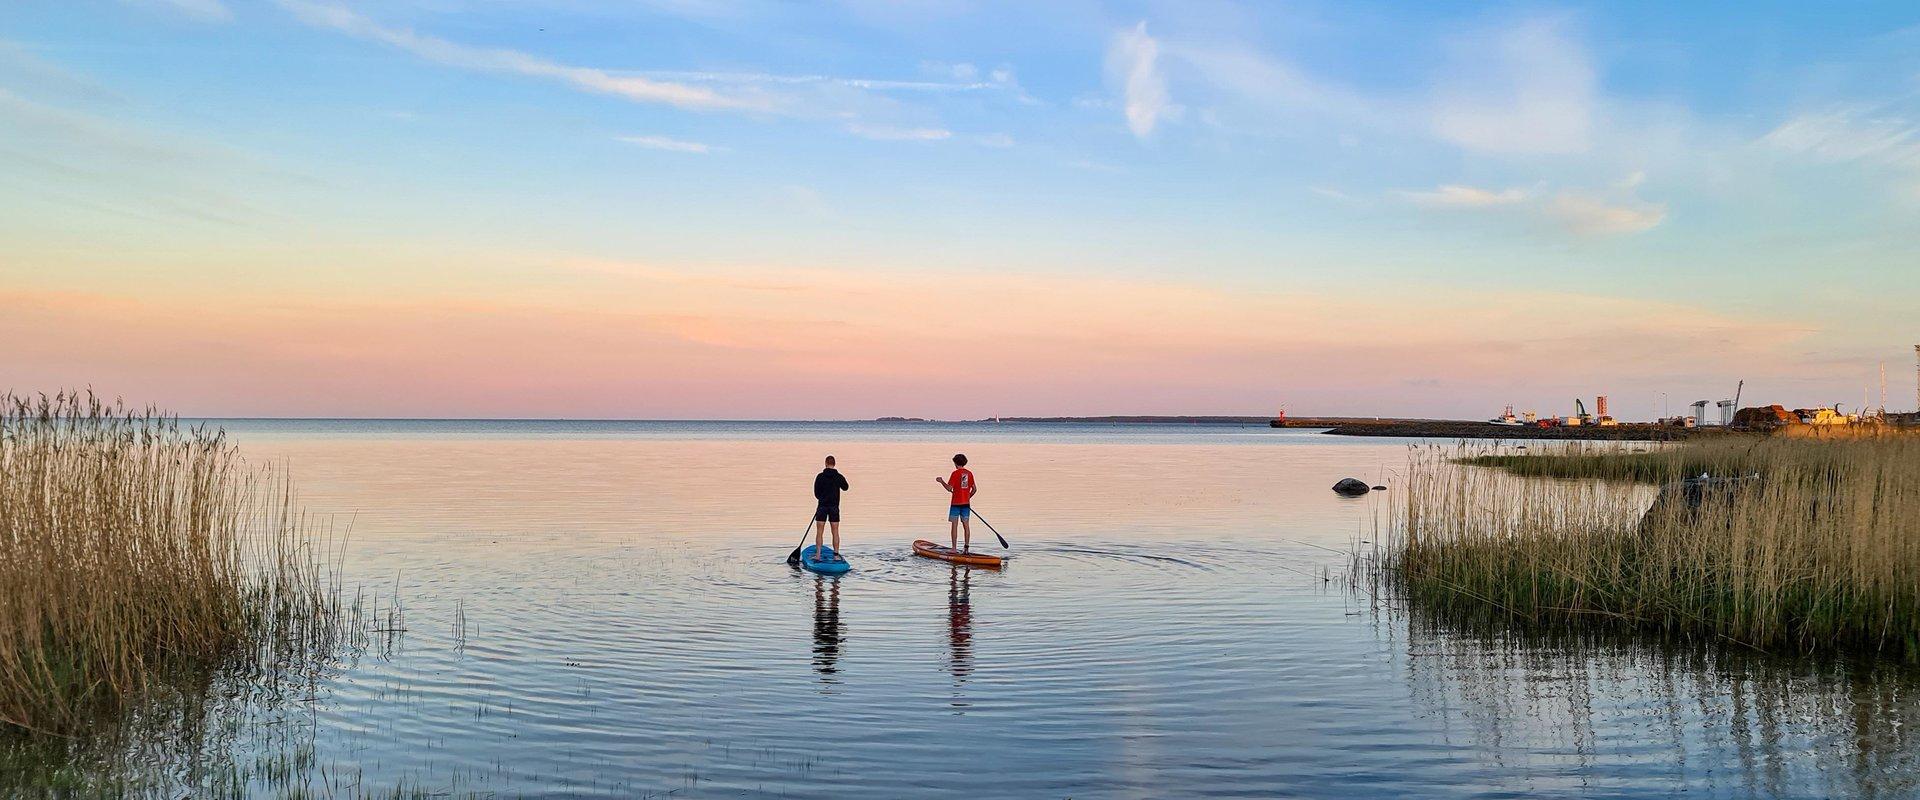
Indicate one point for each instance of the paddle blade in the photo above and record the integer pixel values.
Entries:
(794, 557)
(1003, 539)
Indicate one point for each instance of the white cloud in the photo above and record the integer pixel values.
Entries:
(889, 133)
(630, 87)
(1849, 134)
(206, 10)
(1133, 62)
(1529, 89)
(667, 144)
(1457, 196)
(1587, 215)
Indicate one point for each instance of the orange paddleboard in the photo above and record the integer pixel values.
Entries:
(945, 553)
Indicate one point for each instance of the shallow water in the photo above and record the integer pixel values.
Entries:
(603, 609)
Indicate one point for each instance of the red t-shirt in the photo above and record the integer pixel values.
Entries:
(961, 482)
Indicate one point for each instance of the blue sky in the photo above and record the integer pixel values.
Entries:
(1432, 208)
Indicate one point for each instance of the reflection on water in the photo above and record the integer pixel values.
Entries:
(1590, 711)
(959, 630)
(606, 612)
(827, 636)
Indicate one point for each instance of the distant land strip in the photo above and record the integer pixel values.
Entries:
(1391, 426)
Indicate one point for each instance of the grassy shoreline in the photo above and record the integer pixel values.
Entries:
(138, 557)
(1820, 553)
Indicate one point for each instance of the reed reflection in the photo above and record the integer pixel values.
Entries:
(827, 637)
(1760, 725)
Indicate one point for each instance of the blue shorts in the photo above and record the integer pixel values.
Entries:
(959, 512)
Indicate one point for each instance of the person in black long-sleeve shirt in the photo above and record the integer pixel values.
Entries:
(827, 487)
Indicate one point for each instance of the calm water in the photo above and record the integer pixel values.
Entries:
(602, 609)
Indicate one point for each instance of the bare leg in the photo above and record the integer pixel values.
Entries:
(966, 524)
(953, 534)
(819, 530)
(836, 537)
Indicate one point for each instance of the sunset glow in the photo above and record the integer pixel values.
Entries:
(316, 208)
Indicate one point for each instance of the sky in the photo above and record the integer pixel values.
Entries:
(957, 209)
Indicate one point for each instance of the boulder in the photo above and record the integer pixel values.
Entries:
(1691, 494)
(1351, 487)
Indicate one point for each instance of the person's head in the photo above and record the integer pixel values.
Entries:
(959, 459)
(829, 461)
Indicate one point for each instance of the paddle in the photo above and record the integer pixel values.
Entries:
(794, 557)
(996, 532)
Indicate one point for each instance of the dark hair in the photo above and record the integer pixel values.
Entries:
(829, 461)
(959, 459)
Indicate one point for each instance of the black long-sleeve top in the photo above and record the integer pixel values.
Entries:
(827, 487)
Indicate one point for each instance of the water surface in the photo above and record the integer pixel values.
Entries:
(602, 609)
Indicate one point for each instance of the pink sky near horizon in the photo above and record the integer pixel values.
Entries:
(618, 340)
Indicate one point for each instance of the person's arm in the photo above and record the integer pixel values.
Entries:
(844, 486)
(943, 484)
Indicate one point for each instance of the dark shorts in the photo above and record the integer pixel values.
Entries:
(827, 514)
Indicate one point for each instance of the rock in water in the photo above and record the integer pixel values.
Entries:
(1351, 487)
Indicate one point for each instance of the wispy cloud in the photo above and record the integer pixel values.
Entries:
(1457, 196)
(1588, 215)
(1578, 212)
(101, 163)
(206, 10)
(891, 133)
(1270, 83)
(768, 78)
(631, 87)
(1528, 89)
(1850, 134)
(1133, 63)
(668, 144)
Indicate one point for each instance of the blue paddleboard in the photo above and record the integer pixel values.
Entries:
(830, 565)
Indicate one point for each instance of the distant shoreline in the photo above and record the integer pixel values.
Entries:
(1338, 426)
(1403, 427)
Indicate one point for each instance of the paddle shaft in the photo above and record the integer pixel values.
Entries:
(794, 557)
(996, 532)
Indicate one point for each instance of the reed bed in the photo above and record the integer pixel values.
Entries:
(138, 557)
(1816, 547)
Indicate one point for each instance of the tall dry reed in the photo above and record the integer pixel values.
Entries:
(1820, 551)
(135, 554)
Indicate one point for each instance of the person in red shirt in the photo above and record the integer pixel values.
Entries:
(963, 487)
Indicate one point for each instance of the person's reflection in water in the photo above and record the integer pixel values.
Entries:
(959, 633)
(826, 629)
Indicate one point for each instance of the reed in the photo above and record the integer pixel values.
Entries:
(1821, 551)
(138, 557)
